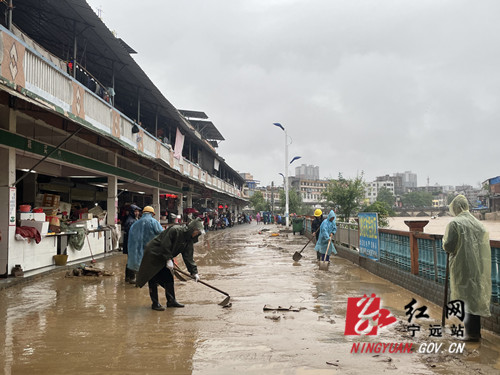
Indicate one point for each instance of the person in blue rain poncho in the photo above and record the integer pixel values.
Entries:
(468, 244)
(327, 230)
(133, 213)
(141, 232)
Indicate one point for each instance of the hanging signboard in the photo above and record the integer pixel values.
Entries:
(368, 235)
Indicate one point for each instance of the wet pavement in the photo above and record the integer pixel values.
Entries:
(99, 325)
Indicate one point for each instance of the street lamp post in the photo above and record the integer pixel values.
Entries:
(286, 171)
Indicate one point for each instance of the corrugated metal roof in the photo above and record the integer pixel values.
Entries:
(193, 114)
(54, 23)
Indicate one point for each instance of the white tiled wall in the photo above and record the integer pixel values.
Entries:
(31, 255)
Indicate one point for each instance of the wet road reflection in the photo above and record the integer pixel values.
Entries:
(57, 325)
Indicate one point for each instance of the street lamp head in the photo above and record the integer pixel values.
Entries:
(295, 158)
(279, 125)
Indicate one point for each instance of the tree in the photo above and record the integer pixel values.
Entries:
(383, 210)
(345, 194)
(417, 199)
(385, 195)
(258, 202)
(294, 201)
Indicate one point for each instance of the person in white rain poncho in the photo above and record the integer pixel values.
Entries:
(467, 242)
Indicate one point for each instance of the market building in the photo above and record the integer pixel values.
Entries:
(84, 132)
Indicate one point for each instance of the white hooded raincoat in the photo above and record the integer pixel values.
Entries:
(467, 241)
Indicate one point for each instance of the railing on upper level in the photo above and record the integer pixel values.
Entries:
(395, 250)
(37, 76)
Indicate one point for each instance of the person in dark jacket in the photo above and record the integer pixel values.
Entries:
(157, 262)
(133, 215)
(316, 223)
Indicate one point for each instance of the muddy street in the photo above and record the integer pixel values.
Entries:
(99, 325)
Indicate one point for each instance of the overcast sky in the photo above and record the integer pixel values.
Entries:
(374, 86)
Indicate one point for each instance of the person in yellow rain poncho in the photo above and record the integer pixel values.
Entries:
(467, 242)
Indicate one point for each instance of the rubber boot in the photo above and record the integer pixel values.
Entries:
(132, 276)
(153, 294)
(472, 327)
(170, 294)
(127, 275)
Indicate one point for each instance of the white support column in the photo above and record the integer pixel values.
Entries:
(180, 207)
(189, 200)
(7, 196)
(112, 201)
(156, 203)
(156, 197)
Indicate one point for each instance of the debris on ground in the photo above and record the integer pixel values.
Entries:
(385, 359)
(275, 234)
(281, 308)
(333, 364)
(274, 317)
(84, 270)
(228, 305)
(327, 319)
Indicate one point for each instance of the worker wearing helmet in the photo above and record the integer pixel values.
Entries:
(318, 219)
(141, 232)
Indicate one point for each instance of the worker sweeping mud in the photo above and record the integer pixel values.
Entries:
(327, 230)
(157, 263)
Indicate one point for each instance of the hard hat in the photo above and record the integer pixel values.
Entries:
(317, 212)
(148, 209)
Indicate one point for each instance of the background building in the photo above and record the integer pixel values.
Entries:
(372, 189)
(409, 181)
(307, 172)
(309, 185)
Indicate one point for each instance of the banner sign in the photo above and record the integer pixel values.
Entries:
(368, 235)
(179, 144)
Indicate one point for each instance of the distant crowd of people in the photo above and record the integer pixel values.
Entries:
(269, 218)
(216, 221)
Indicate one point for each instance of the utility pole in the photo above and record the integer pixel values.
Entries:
(272, 197)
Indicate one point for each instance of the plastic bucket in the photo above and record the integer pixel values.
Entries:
(25, 208)
(61, 260)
